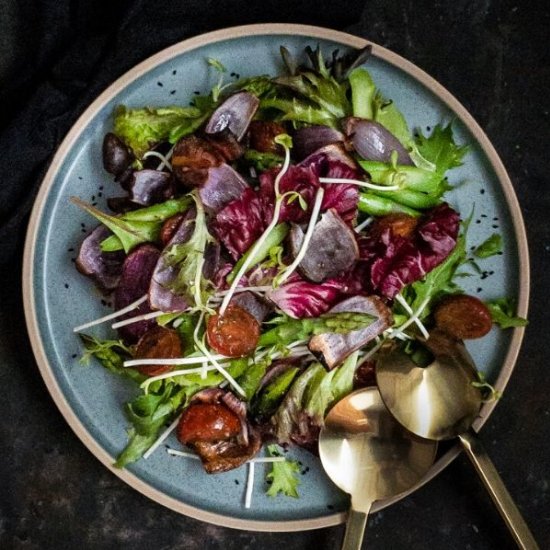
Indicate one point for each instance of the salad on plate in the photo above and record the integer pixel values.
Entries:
(267, 241)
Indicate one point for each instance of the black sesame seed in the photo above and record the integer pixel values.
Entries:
(94, 203)
(494, 226)
(479, 289)
(478, 221)
(101, 187)
(82, 224)
(491, 272)
(482, 191)
(428, 128)
(174, 71)
(66, 285)
(330, 506)
(93, 197)
(172, 92)
(79, 177)
(483, 215)
(472, 247)
(500, 253)
(70, 249)
(160, 84)
(74, 356)
(233, 74)
(83, 230)
(73, 260)
(495, 219)
(100, 194)
(237, 482)
(196, 92)
(103, 303)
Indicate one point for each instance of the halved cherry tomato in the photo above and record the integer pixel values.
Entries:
(463, 316)
(158, 342)
(235, 334)
(207, 422)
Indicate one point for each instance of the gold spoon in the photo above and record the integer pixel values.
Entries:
(370, 456)
(440, 402)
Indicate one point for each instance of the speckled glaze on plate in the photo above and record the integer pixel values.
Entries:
(57, 298)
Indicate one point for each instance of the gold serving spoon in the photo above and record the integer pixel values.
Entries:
(440, 401)
(370, 456)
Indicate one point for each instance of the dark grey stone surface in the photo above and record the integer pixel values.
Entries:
(493, 56)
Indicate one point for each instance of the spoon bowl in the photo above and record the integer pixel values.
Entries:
(440, 401)
(370, 456)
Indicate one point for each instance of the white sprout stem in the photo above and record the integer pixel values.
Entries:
(364, 224)
(138, 318)
(113, 315)
(178, 361)
(161, 438)
(259, 460)
(175, 452)
(361, 183)
(249, 485)
(163, 159)
(263, 237)
(409, 310)
(307, 237)
(411, 320)
(197, 282)
(244, 289)
(182, 372)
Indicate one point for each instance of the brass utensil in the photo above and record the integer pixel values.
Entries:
(370, 456)
(440, 402)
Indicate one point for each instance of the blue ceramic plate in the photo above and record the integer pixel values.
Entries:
(57, 298)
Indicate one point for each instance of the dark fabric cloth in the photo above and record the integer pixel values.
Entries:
(58, 55)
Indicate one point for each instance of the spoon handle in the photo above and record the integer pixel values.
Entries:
(498, 492)
(355, 529)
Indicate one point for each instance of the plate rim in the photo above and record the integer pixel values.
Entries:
(130, 76)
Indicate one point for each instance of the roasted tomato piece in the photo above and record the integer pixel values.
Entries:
(463, 317)
(401, 225)
(235, 334)
(191, 159)
(158, 342)
(262, 133)
(207, 422)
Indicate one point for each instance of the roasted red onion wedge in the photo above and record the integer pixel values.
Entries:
(222, 185)
(332, 349)
(104, 268)
(235, 114)
(309, 139)
(151, 186)
(374, 142)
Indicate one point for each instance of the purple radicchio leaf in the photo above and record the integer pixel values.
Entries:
(396, 261)
(240, 223)
(300, 298)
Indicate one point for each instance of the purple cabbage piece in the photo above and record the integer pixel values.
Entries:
(309, 139)
(372, 141)
(301, 179)
(240, 223)
(134, 283)
(299, 298)
(395, 262)
(332, 161)
(222, 186)
(235, 114)
(151, 187)
(161, 297)
(104, 268)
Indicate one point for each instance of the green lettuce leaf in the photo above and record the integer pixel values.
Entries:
(440, 148)
(489, 247)
(142, 128)
(283, 476)
(503, 313)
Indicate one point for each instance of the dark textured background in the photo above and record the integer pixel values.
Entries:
(57, 55)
